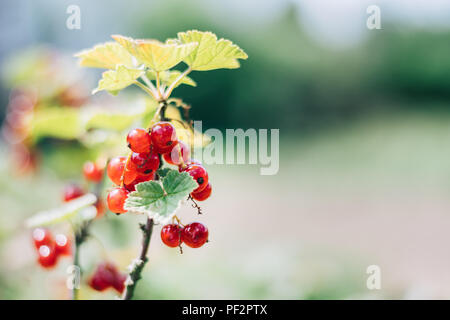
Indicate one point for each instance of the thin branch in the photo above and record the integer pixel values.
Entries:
(149, 83)
(175, 83)
(138, 265)
(146, 89)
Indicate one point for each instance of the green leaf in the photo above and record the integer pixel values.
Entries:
(61, 123)
(111, 121)
(211, 53)
(115, 80)
(168, 77)
(67, 211)
(107, 56)
(160, 201)
(162, 172)
(154, 54)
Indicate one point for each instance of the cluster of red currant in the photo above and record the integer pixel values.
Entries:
(147, 148)
(50, 248)
(107, 276)
(144, 160)
(193, 235)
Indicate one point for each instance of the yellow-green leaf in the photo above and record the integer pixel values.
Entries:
(115, 80)
(211, 53)
(168, 77)
(61, 123)
(154, 54)
(107, 56)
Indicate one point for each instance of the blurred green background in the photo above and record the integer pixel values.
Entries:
(364, 167)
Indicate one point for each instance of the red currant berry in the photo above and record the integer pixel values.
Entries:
(173, 157)
(164, 136)
(115, 169)
(139, 179)
(198, 172)
(145, 163)
(93, 171)
(119, 282)
(187, 164)
(116, 200)
(139, 140)
(202, 195)
(72, 191)
(47, 256)
(42, 237)
(171, 235)
(103, 277)
(62, 245)
(194, 234)
(100, 206)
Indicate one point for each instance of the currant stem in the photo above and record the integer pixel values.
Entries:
(135, 273)
(175, 83)
(147, 89)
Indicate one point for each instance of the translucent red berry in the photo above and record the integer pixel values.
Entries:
(42, 237)
(47, 256)
(194, 234)
(202, 195)
(115, 170)
(173, 157)
(139, 179)
(139, 140)
(116, 200)
(163, 136)
(171, 235)
(72, 191)
(93, 171)
(145, 163)
(198, 172)
(62, 245)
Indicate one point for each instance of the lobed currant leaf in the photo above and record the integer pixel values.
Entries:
(115, 80)
(160, 201)
(155, 54)
(68, 210)
(107, 56)
(211, 53)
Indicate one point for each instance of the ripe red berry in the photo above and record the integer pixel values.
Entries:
(115, 170)
(100, 206)
(139, 140)
(103, 277)
(62, 245)
(145, 163)
(42, 237)
(119, 282)
(194, 234)
(116, 200)
(47, 256)
(92, 171)
(202, 195)
(139, 179)
(173, 157)
(72, 191)
(198, 172)
(163, 136)
(171, 235)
